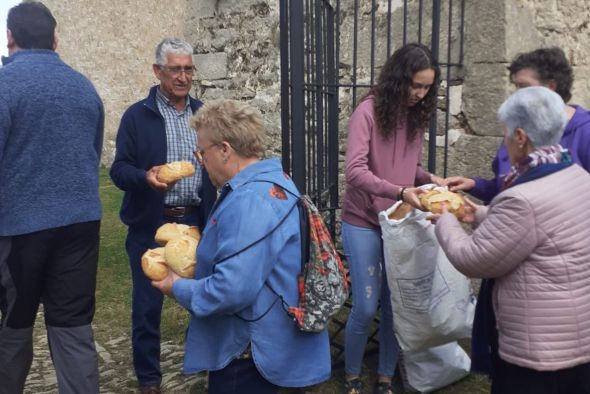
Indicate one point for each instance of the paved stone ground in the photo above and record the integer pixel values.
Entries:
(116, 371)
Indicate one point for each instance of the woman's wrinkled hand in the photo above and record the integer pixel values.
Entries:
(459, 183)
(437, 180)
(165, 285)
(469, 211)
(433, 217)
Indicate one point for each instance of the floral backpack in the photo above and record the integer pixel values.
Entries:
(323, 287)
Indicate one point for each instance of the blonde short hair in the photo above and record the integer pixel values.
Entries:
(235, 122)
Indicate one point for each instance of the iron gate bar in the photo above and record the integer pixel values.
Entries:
(434, 50)
(373, 9)
(354, 52)
(448, 88)
(388, 28)
(420, 22)
(297, 99)
(285, 84)
(405, 21)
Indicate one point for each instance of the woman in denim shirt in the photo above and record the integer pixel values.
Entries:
(239, 330)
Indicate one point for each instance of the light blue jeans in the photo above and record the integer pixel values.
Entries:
(363, 248)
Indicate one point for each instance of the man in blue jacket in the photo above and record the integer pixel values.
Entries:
(51, 131)
(155, 131)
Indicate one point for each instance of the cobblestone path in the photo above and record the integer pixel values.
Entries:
(116, 370)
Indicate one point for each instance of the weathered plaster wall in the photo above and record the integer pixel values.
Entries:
(112, 43)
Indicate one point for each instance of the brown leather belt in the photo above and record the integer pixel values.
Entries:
(178, 212)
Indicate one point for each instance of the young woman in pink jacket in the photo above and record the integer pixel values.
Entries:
(382, 165)
(533, 241)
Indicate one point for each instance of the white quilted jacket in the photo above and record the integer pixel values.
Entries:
(535, 239)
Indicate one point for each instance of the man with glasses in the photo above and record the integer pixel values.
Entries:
(155, 131)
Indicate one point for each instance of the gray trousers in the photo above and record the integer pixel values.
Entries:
(72, 348)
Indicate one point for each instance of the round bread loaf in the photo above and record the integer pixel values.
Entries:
(434, 199)
(181, 255)
(169, 231)
(172, 172)
(153, 264)
(401, 211)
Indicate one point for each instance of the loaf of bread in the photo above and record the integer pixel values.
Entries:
(401, 211)
(432, 201)
(169, 231)
(153, 264)
(172, 172)
(181, 255)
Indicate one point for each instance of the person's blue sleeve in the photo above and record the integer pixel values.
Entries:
(486, 189)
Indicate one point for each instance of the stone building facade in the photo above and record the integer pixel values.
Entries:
(237, 56)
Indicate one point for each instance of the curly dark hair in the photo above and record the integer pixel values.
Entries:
(392, 88)
(550, 64)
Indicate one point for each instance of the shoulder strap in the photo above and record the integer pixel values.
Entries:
(259, 239)
(304, 228)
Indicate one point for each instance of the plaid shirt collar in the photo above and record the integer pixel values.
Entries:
(166, 101)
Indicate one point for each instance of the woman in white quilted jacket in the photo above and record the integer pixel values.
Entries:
(533, 240)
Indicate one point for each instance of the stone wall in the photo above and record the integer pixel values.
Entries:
(496, 32)
(237, 56)
(113, 43)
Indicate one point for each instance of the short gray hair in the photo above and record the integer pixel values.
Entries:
(172, 45)
(539, 111)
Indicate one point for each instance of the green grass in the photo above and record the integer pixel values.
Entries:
(113, 292)
(113, 309)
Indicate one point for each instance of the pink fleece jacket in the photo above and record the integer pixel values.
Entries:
(534, 240)
(376, 168)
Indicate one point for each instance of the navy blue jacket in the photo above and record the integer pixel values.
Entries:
(141, 144)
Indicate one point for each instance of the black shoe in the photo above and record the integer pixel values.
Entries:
(383, 388)
(353, 386)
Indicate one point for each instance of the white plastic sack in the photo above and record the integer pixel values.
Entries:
(431, 369)
(432, 302)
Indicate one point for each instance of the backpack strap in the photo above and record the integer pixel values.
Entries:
(302, 215)
(259, 239)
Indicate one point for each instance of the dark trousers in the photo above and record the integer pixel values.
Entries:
(512, 379)
(57, 266)
(146, 305)
(240, 377)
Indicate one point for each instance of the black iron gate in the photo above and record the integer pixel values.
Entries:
(331, 51)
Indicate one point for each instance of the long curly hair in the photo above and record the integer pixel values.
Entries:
(392, 89)
(550, 64)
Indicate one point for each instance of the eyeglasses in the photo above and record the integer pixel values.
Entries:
(199, 153)
(177, 70)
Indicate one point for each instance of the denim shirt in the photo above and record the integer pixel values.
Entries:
(222, 297)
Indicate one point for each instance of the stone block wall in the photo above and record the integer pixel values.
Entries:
(237, 56)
